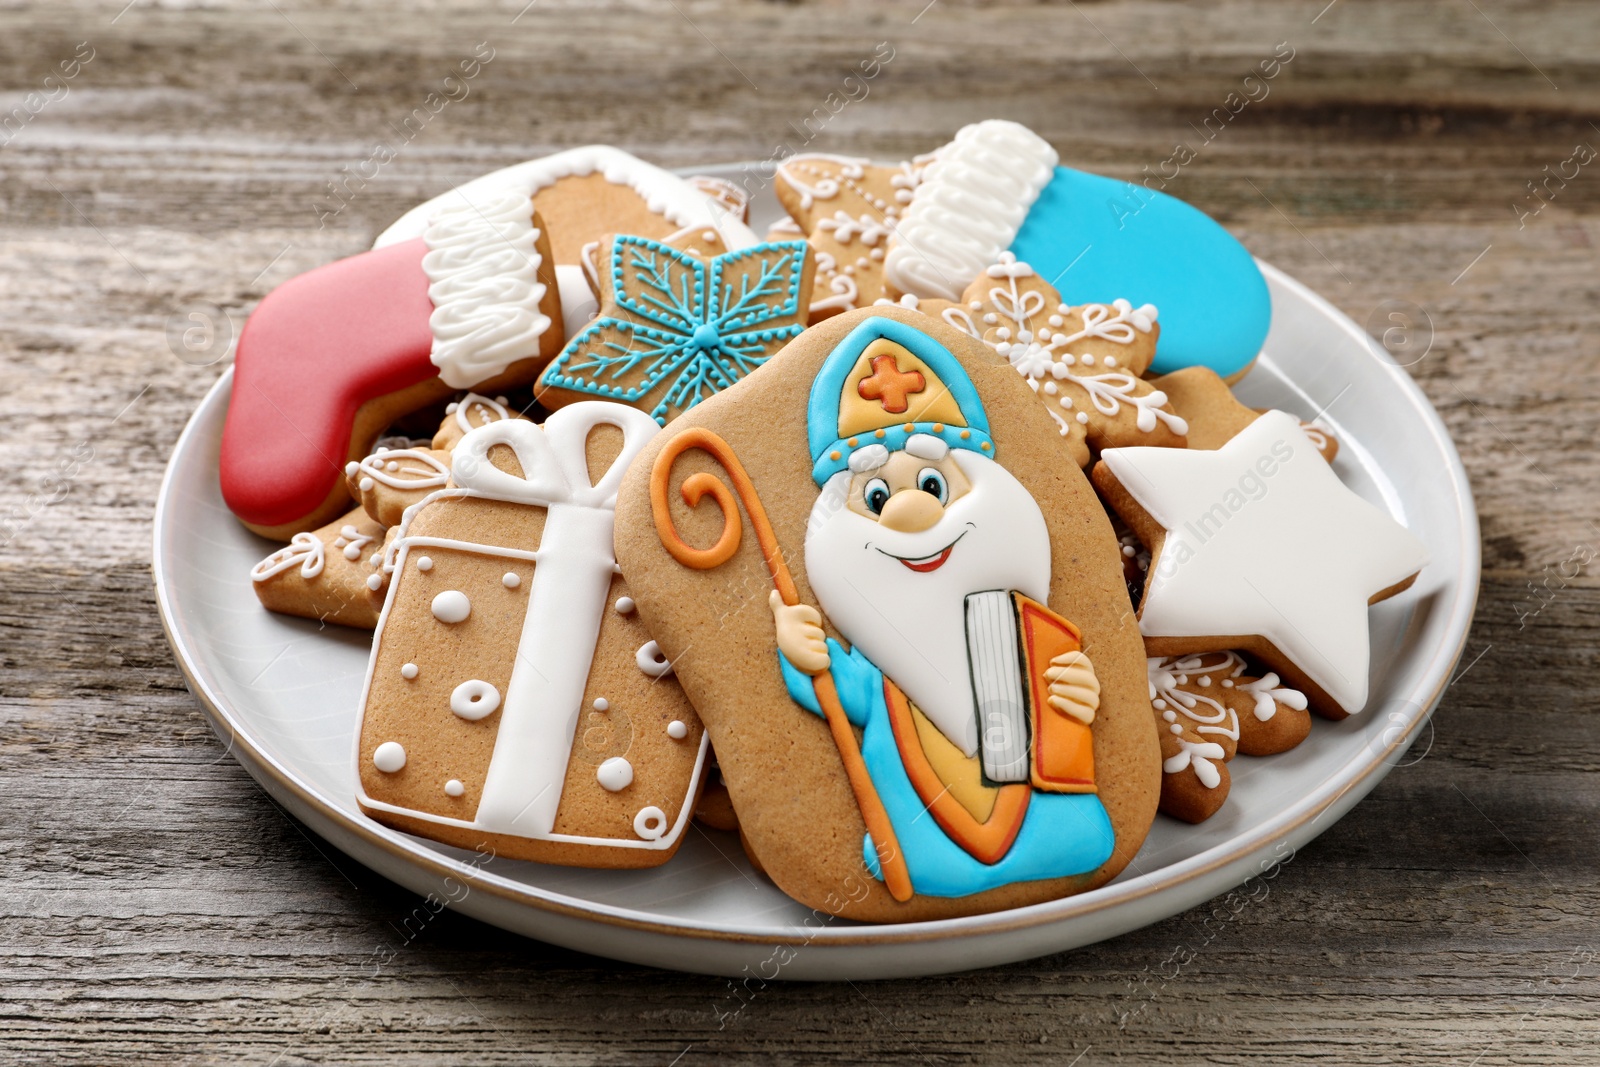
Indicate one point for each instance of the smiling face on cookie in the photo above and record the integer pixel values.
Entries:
(914, 516)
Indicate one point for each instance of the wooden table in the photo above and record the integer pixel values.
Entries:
(159, 906)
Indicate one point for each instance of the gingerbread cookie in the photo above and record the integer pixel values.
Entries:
(1215, 415)
(1257, 546)
(329, 359)
(675, 328)
(996, 187)
(333, 574)
(878, 533)
(1083, 362)
(514, 700)
(1208, 709)
(847, 208)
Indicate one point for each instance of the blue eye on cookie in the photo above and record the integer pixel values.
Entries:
(930, 481)
(876, 495)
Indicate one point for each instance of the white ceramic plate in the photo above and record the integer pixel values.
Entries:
(282, 693)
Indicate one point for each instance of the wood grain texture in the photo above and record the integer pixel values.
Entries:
(159, 907)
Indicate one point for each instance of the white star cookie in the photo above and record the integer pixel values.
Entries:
(1258, 546)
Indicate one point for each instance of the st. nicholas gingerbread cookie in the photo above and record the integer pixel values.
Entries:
(880, 533)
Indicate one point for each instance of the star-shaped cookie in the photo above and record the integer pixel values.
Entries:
(1258, 546)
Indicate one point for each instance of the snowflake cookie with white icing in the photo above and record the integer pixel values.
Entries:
(1084, 363)
(514, 699)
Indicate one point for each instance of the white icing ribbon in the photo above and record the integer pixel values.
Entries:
(968, 207)
(303, 550)
(483, 265)
(566, 597)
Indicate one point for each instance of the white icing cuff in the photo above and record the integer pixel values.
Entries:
(483, 272)
(968, 208)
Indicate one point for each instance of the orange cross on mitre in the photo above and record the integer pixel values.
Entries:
(891, 386)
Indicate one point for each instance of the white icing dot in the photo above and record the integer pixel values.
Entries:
(1175, 728)
(708, 236)
(374, 582)
(650, 823)
(451, 605)
(474, 699)
(1128, 550)
(454, 788)
(1159, 703)
(377, 558)
(424, 563)
(1170, 715)
(677, 730)
(1086, 359)
(614, 774)
(1111, 361)
(392, 465)
(1205, 679)
(510, 580)
(1183, 679)
(1083, 416)
(652, 661)
(624, 604)
(352, 552)
(602, 704)
(1227, 683)
(389, 757)
(366, 484)
(500, 400)
(408, 671)
(351, 468)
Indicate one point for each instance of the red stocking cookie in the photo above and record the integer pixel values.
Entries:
(330, 358)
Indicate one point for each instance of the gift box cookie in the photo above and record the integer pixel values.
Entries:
(514, 700)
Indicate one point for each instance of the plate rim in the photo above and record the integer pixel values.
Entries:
(1290, 825)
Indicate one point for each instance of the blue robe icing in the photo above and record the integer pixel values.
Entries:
(1062, 833)
(1147, 247)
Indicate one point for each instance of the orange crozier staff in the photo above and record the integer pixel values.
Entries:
(695, 488)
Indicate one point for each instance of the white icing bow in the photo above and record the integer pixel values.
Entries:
(555, 467)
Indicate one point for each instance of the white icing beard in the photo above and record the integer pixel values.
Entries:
(912, 625)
